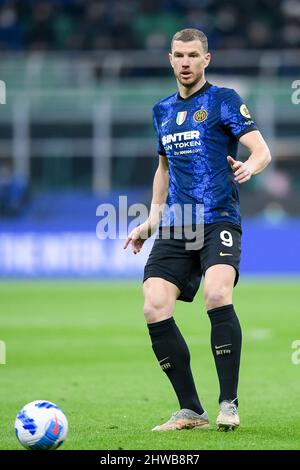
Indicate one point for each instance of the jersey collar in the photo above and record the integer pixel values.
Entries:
(205, 87)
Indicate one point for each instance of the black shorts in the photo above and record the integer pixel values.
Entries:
(170, 260)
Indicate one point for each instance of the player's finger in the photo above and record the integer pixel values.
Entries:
(244, 179)
(242, 175)
(133, 237)
(136, 246)
(127, 241)
(234, 163)
(240, 171)
(230, 160)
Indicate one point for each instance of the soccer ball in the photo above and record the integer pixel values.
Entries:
(41, 425)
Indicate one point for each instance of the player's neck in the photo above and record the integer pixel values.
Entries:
(185, 92)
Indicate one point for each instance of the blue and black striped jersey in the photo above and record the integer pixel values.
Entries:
(196, 134)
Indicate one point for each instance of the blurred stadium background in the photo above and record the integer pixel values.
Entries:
(81, 79)
(76, 131)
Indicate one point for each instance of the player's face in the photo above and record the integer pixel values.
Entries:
(189, 62)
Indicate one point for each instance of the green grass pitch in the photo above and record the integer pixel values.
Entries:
(84, 346)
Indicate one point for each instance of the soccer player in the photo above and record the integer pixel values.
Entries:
(198, 130)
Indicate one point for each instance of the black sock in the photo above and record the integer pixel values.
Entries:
(174, 358)
(226, 344)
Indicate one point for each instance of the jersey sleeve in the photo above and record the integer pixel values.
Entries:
(235, 115)
(160, 147)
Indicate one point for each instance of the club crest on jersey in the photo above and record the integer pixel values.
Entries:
(200, 115)
(181, 116)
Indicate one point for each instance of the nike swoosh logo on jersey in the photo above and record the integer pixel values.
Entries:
(222, 346)
(164, 123)
(225, 254)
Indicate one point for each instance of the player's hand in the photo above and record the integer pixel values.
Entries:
(242, 170)
(137, 237)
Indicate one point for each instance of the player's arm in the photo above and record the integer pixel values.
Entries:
(160, 190)
(259, 157)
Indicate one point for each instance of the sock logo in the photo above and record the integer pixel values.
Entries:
(166, 365)
(222, 352)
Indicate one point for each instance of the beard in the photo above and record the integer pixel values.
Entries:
(191, 81)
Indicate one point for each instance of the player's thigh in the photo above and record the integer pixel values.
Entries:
(220, 260)
(172, 270)
(218, 285)
(160, 298)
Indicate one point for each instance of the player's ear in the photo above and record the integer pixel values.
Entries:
(207, 59)
(171, 59)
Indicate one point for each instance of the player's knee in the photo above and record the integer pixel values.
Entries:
(157, 309)
(217, 297)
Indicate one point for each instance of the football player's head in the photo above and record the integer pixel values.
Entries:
(189, 56)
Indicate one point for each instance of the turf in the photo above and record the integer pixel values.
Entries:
(85, 347)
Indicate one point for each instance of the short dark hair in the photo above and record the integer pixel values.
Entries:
(191, 34)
